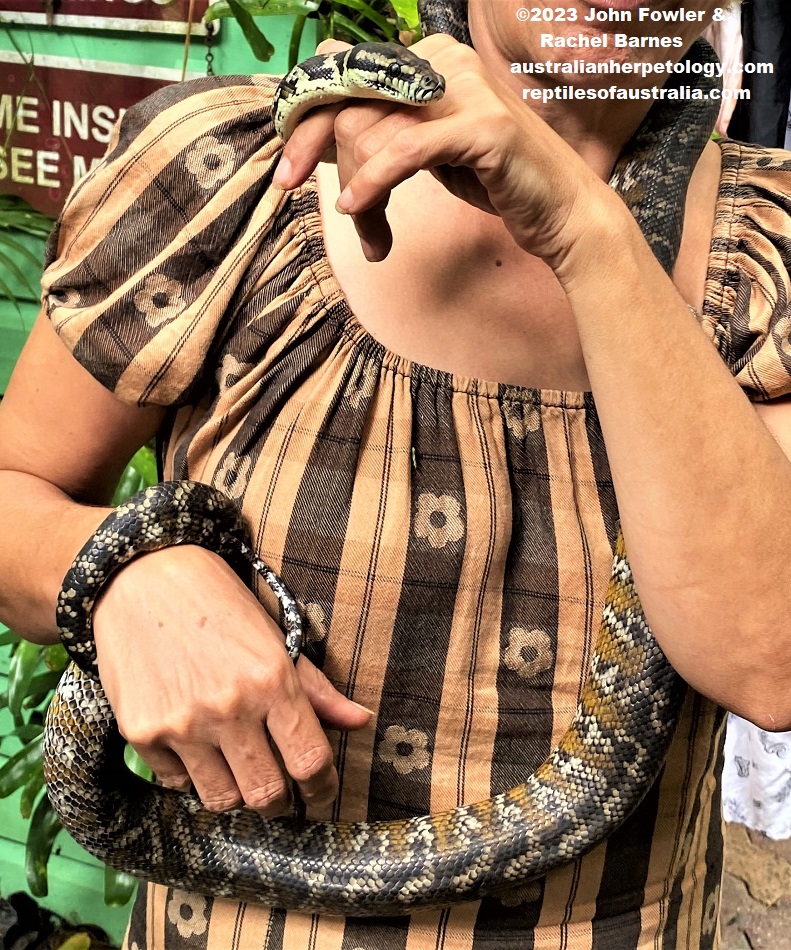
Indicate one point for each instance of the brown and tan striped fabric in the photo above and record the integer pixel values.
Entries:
(450, 539)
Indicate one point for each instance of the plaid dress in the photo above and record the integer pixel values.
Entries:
(450, 539)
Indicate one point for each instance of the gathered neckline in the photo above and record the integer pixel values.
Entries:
(307, 209)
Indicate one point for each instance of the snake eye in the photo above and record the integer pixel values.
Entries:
(394, 70)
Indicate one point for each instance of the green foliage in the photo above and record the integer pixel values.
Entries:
(353, 21)
(33, 674)
(18, 217)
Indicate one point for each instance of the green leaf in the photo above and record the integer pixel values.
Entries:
(342, 23)
(28, 732)
(135, 764)
(128, 485)
(20, 673)
(8, 636)
(263, 8)
(20, 768)
(296, 39)
(31, 792)
(20, 248)
(118, 888)
(56, 658)
(388, 29)
(259, 44)
(18, 215)
(10, 265)
(43, 829)
(145, 464)
(80, 941)
(41, 687)
(5, 290)
(407, 10)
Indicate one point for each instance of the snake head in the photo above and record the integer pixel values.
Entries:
(393, 72)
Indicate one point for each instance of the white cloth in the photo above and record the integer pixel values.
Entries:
(756, 778)
(726, 38)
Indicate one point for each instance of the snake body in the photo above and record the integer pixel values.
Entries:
(601, 769)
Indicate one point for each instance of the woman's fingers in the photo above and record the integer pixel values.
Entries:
(257, 775)
(311, 139)
(334, 709)
(196, 679)
(165, 764)
(306, 753)
(360, 134)
(212, 777)
(410, 150)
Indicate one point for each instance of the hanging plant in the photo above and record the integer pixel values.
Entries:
(33, 673)
(18, 218)
(353, 21)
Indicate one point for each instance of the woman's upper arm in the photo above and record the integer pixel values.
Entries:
(59, 424)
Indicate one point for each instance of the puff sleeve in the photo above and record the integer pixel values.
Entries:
(747, 309)
(153, 249)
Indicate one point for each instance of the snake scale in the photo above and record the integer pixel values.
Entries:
(610, 755)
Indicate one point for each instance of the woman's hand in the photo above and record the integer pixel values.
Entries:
(482, 142)
(197, 673)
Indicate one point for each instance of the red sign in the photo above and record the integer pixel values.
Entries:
(60, 115)
(159, 16)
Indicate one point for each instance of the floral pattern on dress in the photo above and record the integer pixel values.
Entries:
(161, 298)
(711, 911)
(316, 617)
(439, 519)
(365, 386)
(210, 161)
(404, 749)
(522, 894)
(233, 475)
(68, 298)
(231, 371)
(187, 913)
(782, 335)
(529, 652)
(521, 416)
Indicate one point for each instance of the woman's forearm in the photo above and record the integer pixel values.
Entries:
(41, 531)
(702, 486)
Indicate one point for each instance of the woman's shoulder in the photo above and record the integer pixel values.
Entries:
(212, 99)
(175, 128)
(754, 178)
(157, 244)
(747, 310)
(749, 156)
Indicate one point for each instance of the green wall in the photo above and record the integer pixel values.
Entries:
(76, 879)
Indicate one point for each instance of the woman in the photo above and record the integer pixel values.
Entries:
(450, 538)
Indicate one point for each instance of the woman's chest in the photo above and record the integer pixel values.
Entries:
(455, 292)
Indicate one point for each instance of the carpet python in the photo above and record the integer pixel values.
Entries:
(609, 757)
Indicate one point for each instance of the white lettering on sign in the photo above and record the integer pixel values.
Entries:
(81, 168)
(47, 165)
(21, 164)
(83, 121)
(27, 166)
(19, 113)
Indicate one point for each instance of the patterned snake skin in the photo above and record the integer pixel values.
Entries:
(604, 764)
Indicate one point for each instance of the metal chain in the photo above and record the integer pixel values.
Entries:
(209, 46)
